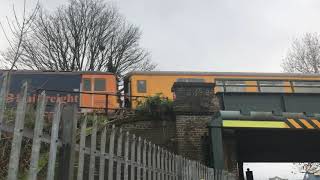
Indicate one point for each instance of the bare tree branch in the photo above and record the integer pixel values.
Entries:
(304, 55)
(84, 35)
(19, 29)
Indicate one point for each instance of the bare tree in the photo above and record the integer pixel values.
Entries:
(17, 34)
(312, 168)
(84, 35)
(304, 55)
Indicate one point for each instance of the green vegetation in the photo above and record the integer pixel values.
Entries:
(156, 107)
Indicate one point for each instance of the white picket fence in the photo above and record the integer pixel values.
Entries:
(111, 154)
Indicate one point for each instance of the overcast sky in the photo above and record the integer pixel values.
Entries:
(212, 35)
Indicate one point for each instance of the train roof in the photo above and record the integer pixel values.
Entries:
(199, 73)
(55, 72)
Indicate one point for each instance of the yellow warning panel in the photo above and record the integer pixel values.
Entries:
(254, 124)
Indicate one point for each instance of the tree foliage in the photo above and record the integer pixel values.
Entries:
(304, 55)
(84, 35)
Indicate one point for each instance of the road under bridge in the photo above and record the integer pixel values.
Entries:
(265, 127)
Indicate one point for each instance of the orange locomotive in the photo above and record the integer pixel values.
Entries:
(90, 90)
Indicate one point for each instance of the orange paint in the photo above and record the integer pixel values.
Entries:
(305, 122)
(162, 83)
(316, 122)
(294, 123)
(98, 100)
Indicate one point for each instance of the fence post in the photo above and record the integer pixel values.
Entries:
(175, 165)
(92, 162)
(111, 152)
(154, 164)
(82, 147)
(162, 163)
(144, 160)
(36, 142)
(170, 166)
(17, 134)
(189, 171)
(198, 168)
(119, 153)
(133, 157)
(182, 168)
(102, 153)
(3, 97)
(69, 126)
(167, 170)
(158, 163)
(54, 140)
(139, 159)
(149, 160)
(126, 156)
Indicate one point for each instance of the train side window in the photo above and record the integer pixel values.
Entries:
(142, 86)
(272, 86)
(99, 84)
(219, 86)
(190, 80)
(235, 86)
(306, 86)
(86, 86)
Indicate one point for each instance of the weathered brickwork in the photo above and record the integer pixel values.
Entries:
(190, 131)
(187, 134)
(158, 132)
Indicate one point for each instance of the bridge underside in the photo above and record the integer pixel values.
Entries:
(272, 145)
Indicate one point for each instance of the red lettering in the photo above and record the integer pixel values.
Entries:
(29, 99)
(76, 98)
(53, 99)
(10, 98)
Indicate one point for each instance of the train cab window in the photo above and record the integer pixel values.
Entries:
(142, 86)
(86, 86)
(219, 86)
(306, 86)
(99, 84)
(190, 80)
(235, 86)
(272, 86)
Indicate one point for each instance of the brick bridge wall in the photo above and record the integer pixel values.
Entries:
(159, 132)
(187, 135)
(183, 136)
(191, 131)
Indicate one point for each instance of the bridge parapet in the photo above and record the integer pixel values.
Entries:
(193, 98)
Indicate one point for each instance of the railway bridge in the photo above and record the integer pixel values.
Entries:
(252, 126)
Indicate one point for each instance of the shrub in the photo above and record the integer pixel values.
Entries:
(157, 106)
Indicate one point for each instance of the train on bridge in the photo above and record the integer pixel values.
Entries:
(154, 82)
(98, 90)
